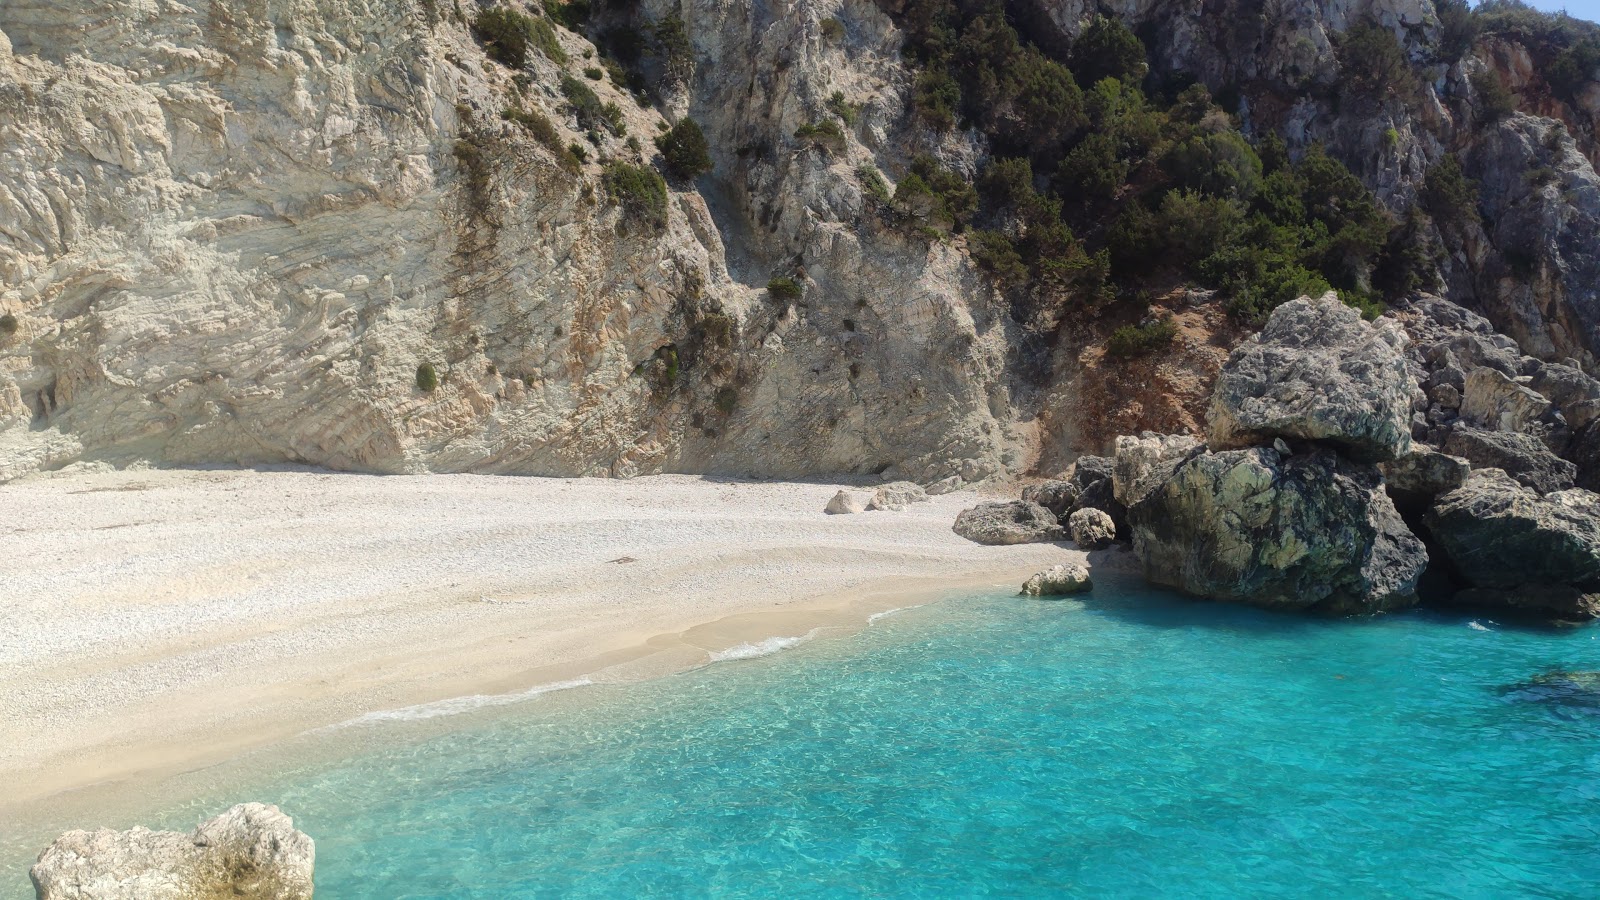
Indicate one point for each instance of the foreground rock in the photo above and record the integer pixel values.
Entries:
(1018, 522)
(1318, 372)
(847, 503)
(1058, 581)
(1518, 549)
(1056, 496)
(250, 851)
(1314, 531)
(1092, 529)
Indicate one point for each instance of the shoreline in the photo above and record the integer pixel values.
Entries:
(633, 580)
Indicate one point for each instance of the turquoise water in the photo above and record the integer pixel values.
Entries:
(1134, 745)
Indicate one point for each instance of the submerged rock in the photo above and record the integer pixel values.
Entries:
(1317, 372)
(1576, 690)
(1519, 549)
(1315, 531)
(1092, 529)
(1008, 523)
(1058, 581)
(250, 851)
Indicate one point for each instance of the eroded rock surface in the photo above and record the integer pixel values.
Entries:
(251, 851)
(1092, 529)
(1058, 581)
(1314, 531)
(1016, 522)
(1318, 372)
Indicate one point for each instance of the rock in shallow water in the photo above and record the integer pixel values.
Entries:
(1315, 531)
(1519, 549)
(1318, 372)
(250, 851)
(1058, 581)
(999, 524)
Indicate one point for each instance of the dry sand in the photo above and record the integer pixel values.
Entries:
(159, 621)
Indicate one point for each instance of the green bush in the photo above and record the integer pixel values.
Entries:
(872, 182)
(726, 400)
(684, 149)
(1448, 194)
(1138, 340)
(1373, 67)
(1095, 168)
(935, 97)
(591, 113)
(1107, 49)
(783, 289)
(594, 73)
(994, 252)
(476, 170)
(544, 37)
(8, 324)
(427, 378)
(573, 14)
(1494, 98)
(832, 29)
(842, 108)
(544, 131)
(505, 35)
(1221, 164)
(1191, 226)
(639, 190)
(825, 133)
(934, 195)
(1458, 28)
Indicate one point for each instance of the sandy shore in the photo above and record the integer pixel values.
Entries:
(159, 621)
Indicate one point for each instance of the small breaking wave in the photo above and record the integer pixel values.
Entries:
(1475, 625)
(758, 649)
(457, 705)
(872, 619)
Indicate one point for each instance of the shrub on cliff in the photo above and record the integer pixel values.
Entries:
(427, 378)
(506, 35)
(783, 289)
(1137, 340)
(1107, 49)
(685, 151)
(639, 190)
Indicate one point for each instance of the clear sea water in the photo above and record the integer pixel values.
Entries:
(1131, 745)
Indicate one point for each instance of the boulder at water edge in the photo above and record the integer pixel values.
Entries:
(1317, 372)
(1313, 531)
(1008, 523)
(1058, 581)
(1092, 529)
(251, 851)
(1517, 548)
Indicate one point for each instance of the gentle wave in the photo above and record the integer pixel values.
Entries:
(891, 612)
(457, 705)
(1475, 625)
(757, 649)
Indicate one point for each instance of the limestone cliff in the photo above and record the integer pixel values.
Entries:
(234, 233)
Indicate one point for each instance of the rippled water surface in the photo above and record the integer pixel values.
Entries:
(1132, 745)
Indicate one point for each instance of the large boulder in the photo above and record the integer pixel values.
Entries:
(1058, 581)
(1517, 548)
(1016, 522)
(847, 502)
(1057, 496)
(1415, 479)
(1317, 372)
(250, 851)
(1521, 456)
(1092, 529)
(1313, 531)
(1499, 403)
(1139, 457)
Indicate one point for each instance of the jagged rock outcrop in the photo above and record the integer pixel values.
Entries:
(1317, 372)
(1414, 480)
(1092, 529)
(1518, 549)
(1056, 495)
(1058, 581)
(1521, 456)
(1313, 531)
(250, 851)
(998, 524)
(1138, 458)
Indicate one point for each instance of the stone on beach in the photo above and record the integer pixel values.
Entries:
(897, 496)
(1092, 529)
(1058, 581)
(249, 851)
(998, 524)
(847, 502)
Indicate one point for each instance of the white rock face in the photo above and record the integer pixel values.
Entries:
(250, 851)
(233, 232)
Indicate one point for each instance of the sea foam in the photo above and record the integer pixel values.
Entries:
(457, 705)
